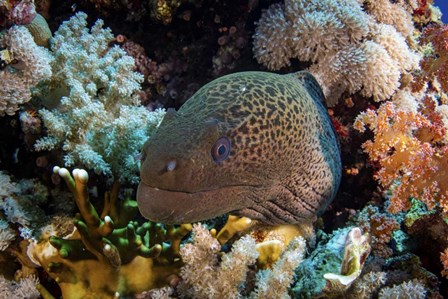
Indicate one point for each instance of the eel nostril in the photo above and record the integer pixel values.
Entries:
(170, 165)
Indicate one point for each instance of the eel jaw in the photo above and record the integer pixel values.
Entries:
(177, 207)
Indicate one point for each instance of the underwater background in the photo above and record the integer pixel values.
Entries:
(85, 84)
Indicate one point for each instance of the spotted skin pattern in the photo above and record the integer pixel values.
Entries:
(284, 164)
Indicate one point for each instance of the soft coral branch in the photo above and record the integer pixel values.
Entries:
(435, 64)
(413, 163)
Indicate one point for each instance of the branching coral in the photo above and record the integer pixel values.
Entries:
(101, 258)
(435, 63)
(97, 118)
(411, 155)
(31, 66)
(348, 48)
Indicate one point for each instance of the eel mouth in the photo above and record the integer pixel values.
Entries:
(177, 207)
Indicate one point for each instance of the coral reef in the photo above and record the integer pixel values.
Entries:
(275, 282)
(21, 205)
(380, 227)
(368, 285)
(205, 264)
(72, 93)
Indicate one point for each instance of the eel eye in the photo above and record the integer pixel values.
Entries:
(221, 149)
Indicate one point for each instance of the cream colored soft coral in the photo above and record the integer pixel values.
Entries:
(205, 276)
(272, 39)
(395, 14)
(350, 50)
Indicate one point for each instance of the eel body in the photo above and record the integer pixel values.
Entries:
(255, 144)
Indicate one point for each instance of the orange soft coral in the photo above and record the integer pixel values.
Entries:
(434, 65)
(408, 148)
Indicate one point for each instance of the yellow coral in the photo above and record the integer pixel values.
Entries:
(233, 226)
(268, 253)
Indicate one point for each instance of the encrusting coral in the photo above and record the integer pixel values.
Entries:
(93, 109)
(106, 255)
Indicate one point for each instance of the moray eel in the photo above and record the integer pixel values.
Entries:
(254, 144)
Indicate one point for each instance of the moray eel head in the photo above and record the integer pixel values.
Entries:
(187, 172)
(243, 144)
